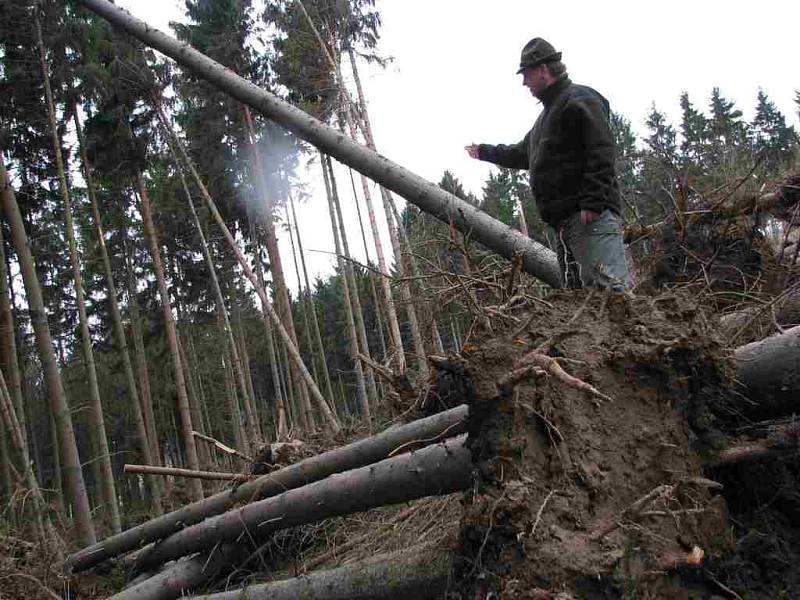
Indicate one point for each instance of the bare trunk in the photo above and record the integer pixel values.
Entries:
(142, 436)
(306, 416)
(358, 454)
(389, 207)
(357, 308)
(102, 459)
(141, 360)
(312, 310)
(252, 434)
(419, 573)
(770, 372)
(434, 470)
(184, 410)
(345, 276)
(280, 399)
(59, 409)
(8, 341)
(536, 259)
(268, 309)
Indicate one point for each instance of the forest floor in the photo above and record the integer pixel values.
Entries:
(580, 493)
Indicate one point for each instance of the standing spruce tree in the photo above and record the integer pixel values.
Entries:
(774, 142)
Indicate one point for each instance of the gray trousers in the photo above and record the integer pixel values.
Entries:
(592, 255)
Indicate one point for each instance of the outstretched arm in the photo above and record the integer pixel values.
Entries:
(511, 156)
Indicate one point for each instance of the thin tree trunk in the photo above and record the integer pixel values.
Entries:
(252, 434)
(344, 275)
(8, 340)
(389, 208)
(244, 359)
(357, 308)
(306, 416)
(14, 429)
(184, 410)
(280, 399)
(141, 357)
(536, 259)
(195, 404)
(59, 409)
(268, 309)
(301, 299)
(389, 307)
(102, 459)
(239, 433)
(372, 275)
(312, 309)
(146, 445)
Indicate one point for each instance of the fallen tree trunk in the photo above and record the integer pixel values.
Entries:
(435, 470)
(770, 371)
(185, 575)
(537, 260)
(411, 573)
(357, 454)
(189, 473)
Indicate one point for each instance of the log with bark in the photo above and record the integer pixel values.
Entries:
(770, 371)
(435, 470)
(357, 454)
(537, 260)
(412, 573)
(184, 575)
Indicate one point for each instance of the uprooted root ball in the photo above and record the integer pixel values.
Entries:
(589, 483)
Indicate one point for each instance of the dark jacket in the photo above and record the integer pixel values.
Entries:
(570, 153)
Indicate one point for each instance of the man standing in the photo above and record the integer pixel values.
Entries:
(570, 154)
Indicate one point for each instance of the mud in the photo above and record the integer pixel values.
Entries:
(597, 495)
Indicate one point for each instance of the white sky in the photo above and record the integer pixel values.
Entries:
(453, 79)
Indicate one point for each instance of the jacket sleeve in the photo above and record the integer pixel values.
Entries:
(511, 156)
(589, 120)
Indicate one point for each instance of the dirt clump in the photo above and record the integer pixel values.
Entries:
(587, 429)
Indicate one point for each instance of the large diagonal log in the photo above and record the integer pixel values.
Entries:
(536, 259)
(770, 372)
(412, 573)
(363, 452)
(434, 470)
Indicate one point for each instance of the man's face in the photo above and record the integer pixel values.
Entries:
(534, 79)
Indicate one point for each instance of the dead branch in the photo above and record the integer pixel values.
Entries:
(188, 473)
(220, 446)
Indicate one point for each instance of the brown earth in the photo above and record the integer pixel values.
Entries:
(579, 495)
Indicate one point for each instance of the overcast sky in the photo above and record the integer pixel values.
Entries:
(453, 78)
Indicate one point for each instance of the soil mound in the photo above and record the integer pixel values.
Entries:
(588, 424)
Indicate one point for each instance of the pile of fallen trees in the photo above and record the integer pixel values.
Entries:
(192, 546)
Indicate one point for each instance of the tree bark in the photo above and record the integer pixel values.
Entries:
(184, 410)
(349, 309)
(389, 207)
(770, 372)
(102, 459)
(268, 309)
(59, 409)
(434, 470)
(141, 357)
(177, 578)
(137, 404)
(320, 350)
(306, 415)
(536, 259)
(8, 341)
(358, 454)
(356, 296)
(280, 400)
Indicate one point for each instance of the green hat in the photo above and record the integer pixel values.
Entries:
(537, 52)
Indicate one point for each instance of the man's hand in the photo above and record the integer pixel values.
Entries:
(589, 216)
(472, 150)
